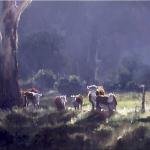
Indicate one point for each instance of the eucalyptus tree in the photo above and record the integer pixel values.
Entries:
(11, 11)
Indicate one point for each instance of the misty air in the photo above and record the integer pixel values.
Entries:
(74, 75)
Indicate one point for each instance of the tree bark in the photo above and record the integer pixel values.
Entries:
(9, 88)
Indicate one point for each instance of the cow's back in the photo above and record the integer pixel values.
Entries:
(79, 99)
(58, 103)
(102, 99)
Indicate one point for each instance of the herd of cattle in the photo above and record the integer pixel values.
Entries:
(96, 95)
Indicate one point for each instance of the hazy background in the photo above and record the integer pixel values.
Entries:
(97, 41)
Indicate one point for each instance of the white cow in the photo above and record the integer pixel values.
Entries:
(92, 95)
(32, 97)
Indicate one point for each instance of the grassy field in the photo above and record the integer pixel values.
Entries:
(47, 129)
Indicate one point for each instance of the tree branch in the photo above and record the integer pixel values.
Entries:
(18, 11)
(22, 6)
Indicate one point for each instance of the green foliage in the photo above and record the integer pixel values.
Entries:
(132, 73)
(63, 86)
(44, 79)
(41, 50)
(69, 86)
(75, 85)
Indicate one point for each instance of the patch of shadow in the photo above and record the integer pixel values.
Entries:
(59, 139)
(6, 138)
(92, 120)
(55, 118)
(16, 119)
(135, 140)
(144, 119)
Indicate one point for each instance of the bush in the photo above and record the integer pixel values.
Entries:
(69, 86)
(47, 49)
(75, 85)
(44, 79)
(63, 86)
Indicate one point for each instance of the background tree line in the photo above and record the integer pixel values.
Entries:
(43, 63)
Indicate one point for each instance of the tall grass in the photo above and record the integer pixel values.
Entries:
(45, 128)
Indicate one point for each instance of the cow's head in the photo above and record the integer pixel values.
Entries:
(73, 97)
(92, 88)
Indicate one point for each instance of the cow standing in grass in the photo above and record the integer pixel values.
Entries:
(108, 101)
(60, 102)
(77, 101)
(93, 92)
(92, 95)
(31, 95)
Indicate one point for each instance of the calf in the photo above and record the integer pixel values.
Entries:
(77, 101)
(60, 102)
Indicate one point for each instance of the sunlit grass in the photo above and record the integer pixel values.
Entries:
(94, 129)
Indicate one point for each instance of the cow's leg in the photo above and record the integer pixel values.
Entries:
(26, 101)
(33, 101)
(92, 103)
(81, 106)
(97, 104)
(115, 107)
(38, 104)
(111, 108)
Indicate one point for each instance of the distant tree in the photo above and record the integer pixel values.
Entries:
(75, 85)
(44, 79)
(63, 86)
(124, 77)
(69, 86)
(132, 73)
(43, 50)
(10, 17)
(142, 76)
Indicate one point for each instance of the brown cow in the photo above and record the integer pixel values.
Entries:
(77, 101)
(109, 101)
(30, 95)
(60, 102)
(94, 91)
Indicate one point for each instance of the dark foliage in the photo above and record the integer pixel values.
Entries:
(41, 50)
(69, 86)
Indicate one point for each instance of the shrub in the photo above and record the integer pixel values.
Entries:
(69, 86)
(74, 84)
(63, 86)
(44, 79)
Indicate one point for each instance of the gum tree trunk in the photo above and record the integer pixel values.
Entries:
(9, 88)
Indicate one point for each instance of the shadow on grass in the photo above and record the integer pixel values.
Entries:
(52, 131)
(145, 120)
(138, 139)
(93, 119)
